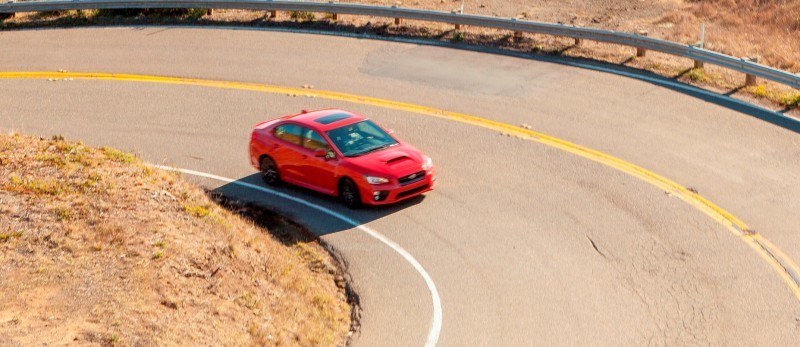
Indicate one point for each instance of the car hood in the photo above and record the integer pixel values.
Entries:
(396, 161)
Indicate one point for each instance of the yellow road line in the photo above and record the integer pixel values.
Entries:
(782, 264)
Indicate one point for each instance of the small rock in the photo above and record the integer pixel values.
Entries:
(169, 303)
(482, 6)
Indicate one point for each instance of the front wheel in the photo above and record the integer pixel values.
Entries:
(269, 171)
(348, 193)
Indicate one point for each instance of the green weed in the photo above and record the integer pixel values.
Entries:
(117, 155)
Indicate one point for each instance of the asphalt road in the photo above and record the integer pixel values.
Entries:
(527, 244)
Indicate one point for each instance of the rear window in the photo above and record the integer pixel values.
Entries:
(289, 132)
(332, 118)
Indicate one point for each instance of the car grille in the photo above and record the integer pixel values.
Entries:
(412, 178)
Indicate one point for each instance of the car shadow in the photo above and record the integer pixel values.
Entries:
(320, 214)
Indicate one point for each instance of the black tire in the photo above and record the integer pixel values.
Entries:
(269, 171)
(348, 193)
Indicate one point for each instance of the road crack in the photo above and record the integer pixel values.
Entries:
(594, 245)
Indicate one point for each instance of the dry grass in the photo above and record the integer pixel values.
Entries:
(97, 248)
(743, 28)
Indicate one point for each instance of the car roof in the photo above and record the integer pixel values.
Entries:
(326, 119)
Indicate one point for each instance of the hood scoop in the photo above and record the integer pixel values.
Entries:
(397, 160)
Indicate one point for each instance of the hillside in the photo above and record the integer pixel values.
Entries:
(764, 28)
(98, 248)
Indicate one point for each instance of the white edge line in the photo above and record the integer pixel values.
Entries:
(436, 320)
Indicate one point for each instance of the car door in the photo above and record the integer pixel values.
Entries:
(318, 172)
(286, 151)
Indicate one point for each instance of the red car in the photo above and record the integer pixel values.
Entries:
(340, 153)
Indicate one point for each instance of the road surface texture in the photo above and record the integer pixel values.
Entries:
(527, 244)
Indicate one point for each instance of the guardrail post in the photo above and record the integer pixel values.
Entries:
(209, 12)
(398, 21)
(517, 35)
(640, 52)
(457, 26)
(335, 16)
(273, 14)
(578, 41)
(698, 64)
(750, 80)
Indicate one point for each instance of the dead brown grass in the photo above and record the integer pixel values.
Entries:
(97, 248)
(768, 29)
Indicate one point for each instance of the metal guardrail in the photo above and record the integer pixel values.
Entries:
(640, 42)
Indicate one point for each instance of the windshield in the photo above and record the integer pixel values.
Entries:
(360, 138)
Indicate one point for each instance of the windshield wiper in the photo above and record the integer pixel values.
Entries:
(375, 149)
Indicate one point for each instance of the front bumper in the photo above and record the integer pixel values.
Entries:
(394, 192)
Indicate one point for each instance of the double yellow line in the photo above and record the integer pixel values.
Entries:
(782, 264)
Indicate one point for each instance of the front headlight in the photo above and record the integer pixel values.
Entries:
(376, 180)
(427, 164)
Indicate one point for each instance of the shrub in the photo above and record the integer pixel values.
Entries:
(697, 75)
(117, 155)
(197, 210)
(197, 12)
(7, 236)
(302, 16)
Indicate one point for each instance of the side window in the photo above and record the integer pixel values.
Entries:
(289, 133)
(313, 141)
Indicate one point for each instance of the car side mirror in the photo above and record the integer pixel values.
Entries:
(321, 153)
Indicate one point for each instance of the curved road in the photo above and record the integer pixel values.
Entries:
(526, 243)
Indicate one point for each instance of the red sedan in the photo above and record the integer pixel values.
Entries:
(340, 153)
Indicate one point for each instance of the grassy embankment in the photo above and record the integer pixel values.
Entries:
(97, 247)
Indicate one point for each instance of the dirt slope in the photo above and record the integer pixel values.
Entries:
(97, 248)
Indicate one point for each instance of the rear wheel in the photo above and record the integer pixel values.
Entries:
(348, 193)
(269, 171)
